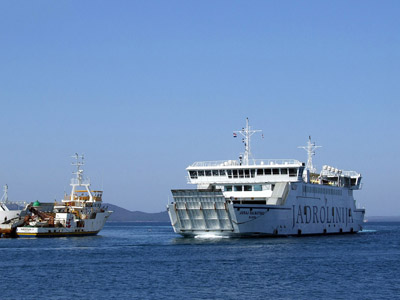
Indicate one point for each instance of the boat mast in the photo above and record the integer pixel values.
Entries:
(310, 149)
(78, 165)
(5, 195)
(4, 200)
(78, 181)
(246, 133)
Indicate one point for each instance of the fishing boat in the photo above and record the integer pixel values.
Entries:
(80, 213)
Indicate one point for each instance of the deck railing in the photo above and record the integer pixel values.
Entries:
(252, 162)
(341, 173)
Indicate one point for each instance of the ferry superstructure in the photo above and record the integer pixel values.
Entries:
(266, 197)
(10, 209)
(11, 214)
(79, 214)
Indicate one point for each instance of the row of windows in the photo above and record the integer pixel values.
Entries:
(321, 190)
(246, 173)
(244, 188)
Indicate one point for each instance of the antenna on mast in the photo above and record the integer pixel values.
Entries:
(246, 133)
(78, 165)
(5, 195)
(310, 149)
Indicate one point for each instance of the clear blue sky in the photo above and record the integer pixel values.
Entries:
(144, 88)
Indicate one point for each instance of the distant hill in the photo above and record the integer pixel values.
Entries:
(123, 215)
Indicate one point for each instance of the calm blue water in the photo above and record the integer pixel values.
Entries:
(148, 261)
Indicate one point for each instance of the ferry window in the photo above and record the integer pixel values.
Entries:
(215, 173)
(228, 188)
(258, 187)
(247, 173)
(235, 173)
(222, 172)
(301, 171)
(275, 171)
(201, 173)
(267, 171)
(284, 171)
(229, 173)
(240, 173)
(193, 174)
(252, 173)
(260, 172)
(292, 172)
(238, 188)
(247, 188)
(208, 172)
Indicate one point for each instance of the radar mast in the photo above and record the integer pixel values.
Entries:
(79, 180)
(246, 133)
(310, 149)
(78, 165)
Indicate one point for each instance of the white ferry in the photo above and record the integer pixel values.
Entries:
(266, 197)
(79, 214)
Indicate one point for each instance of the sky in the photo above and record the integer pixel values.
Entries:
(145, 88)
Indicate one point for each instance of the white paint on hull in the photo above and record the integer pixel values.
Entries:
(302, 213)
(92, 226)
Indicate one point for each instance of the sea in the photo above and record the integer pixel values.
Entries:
(150, 261)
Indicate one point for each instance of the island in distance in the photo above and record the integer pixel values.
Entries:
(123, 215)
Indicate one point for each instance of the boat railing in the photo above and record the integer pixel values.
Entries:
(76, 198)
(15, 202)
(350, 173)
(10, 205)
(340, 172)
(252, 162)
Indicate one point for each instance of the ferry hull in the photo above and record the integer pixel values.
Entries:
(195, 213)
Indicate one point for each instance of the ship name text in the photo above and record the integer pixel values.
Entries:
(325, 215)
